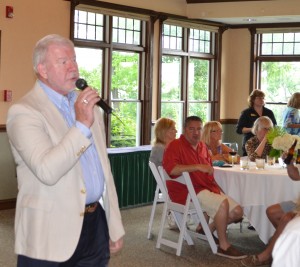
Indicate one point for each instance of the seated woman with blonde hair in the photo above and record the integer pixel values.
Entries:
(164, 132)
(257, 147)
(212, 137)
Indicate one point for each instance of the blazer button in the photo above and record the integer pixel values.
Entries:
(83, 148)
(83, 191)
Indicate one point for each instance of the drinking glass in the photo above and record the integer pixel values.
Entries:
(244, 163)
(270, 160)
(260, 164)
(233, 153)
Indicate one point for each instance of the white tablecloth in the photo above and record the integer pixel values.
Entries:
(255, 190)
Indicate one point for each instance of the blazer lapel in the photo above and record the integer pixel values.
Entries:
(49, 110)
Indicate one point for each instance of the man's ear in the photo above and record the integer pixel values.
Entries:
(42, 70)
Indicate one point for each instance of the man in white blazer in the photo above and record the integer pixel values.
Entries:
(58, 141)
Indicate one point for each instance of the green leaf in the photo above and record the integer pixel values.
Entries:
(275, 153)
(274, 132)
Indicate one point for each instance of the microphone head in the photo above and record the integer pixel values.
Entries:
(81, 84)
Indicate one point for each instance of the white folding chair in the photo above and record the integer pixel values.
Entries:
(158, 198)
(161, 186)
(199, 211)
(181, 213)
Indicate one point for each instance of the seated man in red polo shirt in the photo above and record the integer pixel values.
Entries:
(188, 154)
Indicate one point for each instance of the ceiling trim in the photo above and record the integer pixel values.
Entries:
(219, 1)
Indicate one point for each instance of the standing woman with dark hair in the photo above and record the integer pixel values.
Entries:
(291, 117)
(256, 102)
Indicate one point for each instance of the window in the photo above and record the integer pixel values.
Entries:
(111, 54)
(88, 25)
(187, 72)
(127, 31)
(278, 67)
(280, 43)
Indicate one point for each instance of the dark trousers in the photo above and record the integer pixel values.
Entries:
(92, 249)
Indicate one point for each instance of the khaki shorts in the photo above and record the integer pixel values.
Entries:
(210, 202)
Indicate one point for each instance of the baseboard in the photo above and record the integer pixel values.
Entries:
(8, 204)
(2, 128)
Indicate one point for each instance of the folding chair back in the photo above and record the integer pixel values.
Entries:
(161, 197)
(181, 213)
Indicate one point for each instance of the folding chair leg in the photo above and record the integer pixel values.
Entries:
(162, 225)
(178, 219)
(183, 233)
(156, 195)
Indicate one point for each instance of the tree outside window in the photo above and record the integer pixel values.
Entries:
(278, 68)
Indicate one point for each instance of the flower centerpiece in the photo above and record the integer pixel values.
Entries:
(281, 141)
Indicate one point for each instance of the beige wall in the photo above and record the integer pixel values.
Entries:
(235, 77)
(32, 20)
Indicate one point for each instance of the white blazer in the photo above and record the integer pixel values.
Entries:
(51, 197)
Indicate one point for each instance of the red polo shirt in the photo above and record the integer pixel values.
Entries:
(180, 152)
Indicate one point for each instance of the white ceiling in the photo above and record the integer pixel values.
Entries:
(257, 20)
(238, 12)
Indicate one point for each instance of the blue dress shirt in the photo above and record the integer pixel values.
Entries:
(89, 160)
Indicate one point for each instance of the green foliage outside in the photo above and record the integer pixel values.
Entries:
(279, 81)
(199, 88)
(124, 86)
(93, 77)
(124, 131)
(198, 91)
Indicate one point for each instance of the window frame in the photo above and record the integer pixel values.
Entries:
(185, 54)
(108, 46)
(147, 114)
(258, 59)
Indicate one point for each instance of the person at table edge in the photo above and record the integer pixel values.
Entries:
(280, 215)
(257, 147)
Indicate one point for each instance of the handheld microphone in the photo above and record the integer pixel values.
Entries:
(82, 84)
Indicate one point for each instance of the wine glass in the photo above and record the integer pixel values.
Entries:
(233, 152)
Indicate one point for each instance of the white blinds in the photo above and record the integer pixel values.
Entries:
(193, 25)
(277, 30)
(111, 12)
